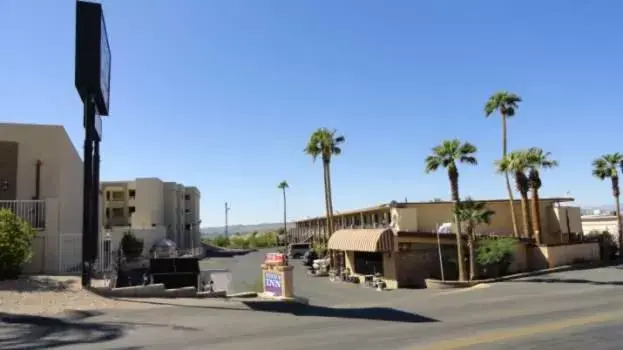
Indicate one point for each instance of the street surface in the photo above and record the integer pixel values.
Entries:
(571, 310)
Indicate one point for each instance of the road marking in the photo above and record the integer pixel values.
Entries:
(513, 333)
(463, 290)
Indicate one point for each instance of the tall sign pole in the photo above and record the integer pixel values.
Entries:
(92, 80)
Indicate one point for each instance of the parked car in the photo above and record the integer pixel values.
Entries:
(297, 250)
(309, 257)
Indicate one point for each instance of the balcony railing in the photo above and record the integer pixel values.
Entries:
(32, 211)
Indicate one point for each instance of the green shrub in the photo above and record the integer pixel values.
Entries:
(16, 237)
(221, 241)
(131, 246)
(495, 255)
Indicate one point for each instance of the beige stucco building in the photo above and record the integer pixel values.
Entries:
(600, 223)
(41, 181)
(399, 240)
(167, 209)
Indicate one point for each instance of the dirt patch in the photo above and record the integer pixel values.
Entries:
(51, 295)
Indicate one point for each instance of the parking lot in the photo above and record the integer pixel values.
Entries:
(246, 276)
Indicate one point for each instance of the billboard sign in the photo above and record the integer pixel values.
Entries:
(93, 57)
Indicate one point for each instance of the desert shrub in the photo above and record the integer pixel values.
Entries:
(16, 237)
(495, 255)
(131, 246)
(320, 249)
(221, 241)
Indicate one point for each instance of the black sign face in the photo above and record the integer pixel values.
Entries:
(92, 56)
(104, 64)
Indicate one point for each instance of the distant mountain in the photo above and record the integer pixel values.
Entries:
(211, 231)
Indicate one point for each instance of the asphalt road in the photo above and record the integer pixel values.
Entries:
(572, 310)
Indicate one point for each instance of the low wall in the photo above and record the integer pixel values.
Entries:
(565, 254)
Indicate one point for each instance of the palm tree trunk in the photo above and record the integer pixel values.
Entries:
(536, 215)
(330, 199)
(326, 201)
(526, 217)
(472, 252)
(617, 203)
(454, 188)
(509, 189)
(285, 220)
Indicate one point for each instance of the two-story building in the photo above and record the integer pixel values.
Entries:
(399, 240)
(41, 182)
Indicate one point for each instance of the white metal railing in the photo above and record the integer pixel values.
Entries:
(32, 211)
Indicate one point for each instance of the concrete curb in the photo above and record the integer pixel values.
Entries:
(438, 284)
(243, 295)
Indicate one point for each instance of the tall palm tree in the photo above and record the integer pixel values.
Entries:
(283, 185)
(506, 103)
(537, 160)
(473, 213)
(325, 143)
(447, 155)
(607, 167)
(516, 162)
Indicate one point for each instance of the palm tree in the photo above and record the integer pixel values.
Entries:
(516, 162)
(283, 185)
(325, 144)
(473, 214)
(447, 155)
(537, 160)
(607, 167)
(506, 103)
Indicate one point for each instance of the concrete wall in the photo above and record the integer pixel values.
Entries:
(149, 203)
(560, 255)
(599, 223)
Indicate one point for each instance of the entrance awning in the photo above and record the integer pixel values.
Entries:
(362, 240)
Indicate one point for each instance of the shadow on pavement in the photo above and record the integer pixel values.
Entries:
(39, 332)
(367, 313)
(35, 284)
(21, 332)
(570, 280)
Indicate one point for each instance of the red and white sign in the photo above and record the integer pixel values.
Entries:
(275, 258)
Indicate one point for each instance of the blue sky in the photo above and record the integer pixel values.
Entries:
(224, 94)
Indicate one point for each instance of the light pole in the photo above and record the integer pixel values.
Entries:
(227, 209)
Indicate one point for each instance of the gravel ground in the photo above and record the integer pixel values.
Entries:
(52, 295)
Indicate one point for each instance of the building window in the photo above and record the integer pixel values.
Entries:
(187, 211)
(187, 226)
(107, 212)
(107, 195)
(132, 193)
(187, 197)
(117, 196)
(132, 209)
(117, 212)
(368, 263)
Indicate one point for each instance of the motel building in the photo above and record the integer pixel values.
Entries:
(399, 239)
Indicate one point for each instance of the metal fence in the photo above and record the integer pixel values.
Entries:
(32, 211)
(70, 254)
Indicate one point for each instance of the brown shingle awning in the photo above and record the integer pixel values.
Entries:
(362, 240)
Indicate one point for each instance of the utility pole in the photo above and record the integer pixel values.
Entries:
(227, 208)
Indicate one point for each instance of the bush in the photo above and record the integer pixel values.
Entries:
(495, 255)
(131, 246)
(221, 241)
(16, 237)
(607, 244)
